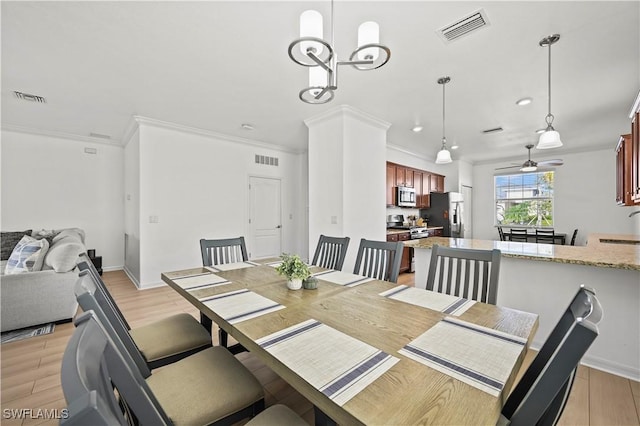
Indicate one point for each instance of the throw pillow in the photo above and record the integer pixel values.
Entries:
(8, 241)
(63, 255)
(48, 234)
(28, 255)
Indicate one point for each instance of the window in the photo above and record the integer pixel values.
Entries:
(524, 199)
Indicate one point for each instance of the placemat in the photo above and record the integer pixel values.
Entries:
(231, 266)
(342, 278)
(446, 303)
(335, 363)
(240, 305)
(198, 282)
(479, 356)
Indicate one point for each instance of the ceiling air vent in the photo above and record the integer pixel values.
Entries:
(28, 97)
(494, 130)
(464, 26)
(267, 161)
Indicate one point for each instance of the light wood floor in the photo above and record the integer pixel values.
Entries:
(30, 376)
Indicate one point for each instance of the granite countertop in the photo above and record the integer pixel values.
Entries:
(616, 253)
(400, 231)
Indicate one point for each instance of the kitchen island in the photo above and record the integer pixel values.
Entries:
(542, 278)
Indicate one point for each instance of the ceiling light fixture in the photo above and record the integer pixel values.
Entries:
(246, 126)
(444, 156)
(550, 138)
(539, 131)
(416, 129)
(524, 101)
(310, 50)
(529, 166)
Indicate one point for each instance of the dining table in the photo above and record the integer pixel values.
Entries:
(365, 351)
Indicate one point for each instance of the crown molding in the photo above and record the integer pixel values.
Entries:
(350, 112)
(138, 120)
(61, 135)
(406, 151)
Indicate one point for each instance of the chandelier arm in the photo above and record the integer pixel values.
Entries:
(318, 61)
(367, 62)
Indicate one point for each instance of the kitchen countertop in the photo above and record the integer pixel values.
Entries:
(392, 231)
(621, 252)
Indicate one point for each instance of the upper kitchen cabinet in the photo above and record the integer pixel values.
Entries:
(422, 181)
(404, 176)
(635, 156)
(391, 184)
(624, 171)
(437, 183)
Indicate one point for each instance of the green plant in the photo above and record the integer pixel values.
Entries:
(293, 267)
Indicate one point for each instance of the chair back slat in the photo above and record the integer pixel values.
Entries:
(545, 236)
(471, 274)
(541, 394)
(221, 251)
(573, 237)
(330, 252)
(379, 259)
(93, 370)
(518, 234)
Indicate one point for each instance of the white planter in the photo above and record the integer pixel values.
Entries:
(294, 284)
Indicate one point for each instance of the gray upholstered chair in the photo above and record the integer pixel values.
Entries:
(545, 236)
(379, 259)
(472, 274)
(330, 252)
(219, 252)
(542, 393)
(161, 342)
(209, 387)
(518, 234)
(90, 383)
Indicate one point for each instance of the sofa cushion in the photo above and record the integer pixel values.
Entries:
(48, 234)
(75, 233)
(28, 255)
(63, 254)
(8, 241)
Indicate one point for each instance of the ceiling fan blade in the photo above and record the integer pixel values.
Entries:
(508, 167)
(554, 162)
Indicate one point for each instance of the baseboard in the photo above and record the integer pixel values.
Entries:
(112, 268)
(131, 277)
(602, 364)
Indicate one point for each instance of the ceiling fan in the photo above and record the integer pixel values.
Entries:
(532, 166)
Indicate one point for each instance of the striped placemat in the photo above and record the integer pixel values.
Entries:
(231, 266)
(338, 365)
(240, 305)
(342, 278)
(198, 282)
(446, 303)
(479, 356)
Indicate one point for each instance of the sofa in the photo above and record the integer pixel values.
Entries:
(43, 292)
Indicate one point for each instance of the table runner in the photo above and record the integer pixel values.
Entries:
(479, 356)
(200, 281)
(338, 365)
(231, 266)
(342, 278)
(446, 303)
(240, 305)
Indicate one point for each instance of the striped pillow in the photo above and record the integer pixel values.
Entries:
(27, 255)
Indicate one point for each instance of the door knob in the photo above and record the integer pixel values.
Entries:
(279, 226)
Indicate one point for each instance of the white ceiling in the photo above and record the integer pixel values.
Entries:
(214, 65)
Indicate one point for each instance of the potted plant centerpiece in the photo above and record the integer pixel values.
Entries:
(294, 269)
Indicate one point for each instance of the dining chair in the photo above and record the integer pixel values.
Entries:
(160, 342)
(330, 252)
(542, 393)
(545, 236)
(379, 259)
(518, 234)
(204, 388)
(500, 233)
(218, 252)
(573, 237)
(102, 387)
(468, 273)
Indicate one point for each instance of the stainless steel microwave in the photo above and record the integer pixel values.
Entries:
(405, 196)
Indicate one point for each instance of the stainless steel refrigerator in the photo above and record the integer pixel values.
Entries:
(446, 211)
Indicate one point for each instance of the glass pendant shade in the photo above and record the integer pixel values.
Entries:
(311, 26)
(549, 139)
(317, 78)
(444, 156)
(368, 33)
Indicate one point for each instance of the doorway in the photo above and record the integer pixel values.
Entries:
(265, 218)
(467, 216)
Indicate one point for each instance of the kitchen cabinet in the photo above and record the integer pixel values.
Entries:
(435, 232)
(422, 181)
(404, 176)
(407, 253)
(391, 180)
(635, 157)
(624, 171)
(437, 183)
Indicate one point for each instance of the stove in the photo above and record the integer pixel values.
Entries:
(396, 221)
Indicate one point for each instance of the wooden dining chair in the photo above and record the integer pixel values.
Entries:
(330, 252)
(545, 236)
(102, 386)
(518, 234)
(500, 233)
(219, 252)
(542, 393)
(468, 273)
(573, 237)
(160, 342)
(379, 259)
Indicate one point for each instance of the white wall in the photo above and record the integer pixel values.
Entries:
(49, 182)
(584, 197)
(132, 207)
(197, 186)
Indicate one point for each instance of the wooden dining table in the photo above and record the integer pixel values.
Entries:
(405, 391)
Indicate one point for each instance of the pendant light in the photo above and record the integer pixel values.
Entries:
(444, 156)
(550, 138)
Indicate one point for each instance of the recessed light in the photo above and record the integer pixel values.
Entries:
(539, 131)
(454, 147)
(524, 101)
(247, 126)
(416, 129)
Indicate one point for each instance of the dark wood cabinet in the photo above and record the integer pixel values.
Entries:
(404, 176)
(435, 232)
(423, 181)
(437, 183)
(407, 253)
(624, 171)
(635, 158)
(391, 180)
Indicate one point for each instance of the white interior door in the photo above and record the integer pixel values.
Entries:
(265, 219)
(467, 217)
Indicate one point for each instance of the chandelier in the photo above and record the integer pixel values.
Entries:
(550, 138)
(444, 156)
(311, 50)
